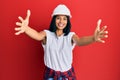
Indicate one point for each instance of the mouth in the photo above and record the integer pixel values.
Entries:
(60, 24)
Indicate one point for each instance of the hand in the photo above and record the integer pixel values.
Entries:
(99, 34)
(23, 24)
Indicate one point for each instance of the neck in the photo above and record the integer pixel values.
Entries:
(59, 32)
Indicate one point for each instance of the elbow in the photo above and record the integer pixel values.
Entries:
(80, 44)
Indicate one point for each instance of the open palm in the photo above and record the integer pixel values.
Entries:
(23, 24)
(99, 34)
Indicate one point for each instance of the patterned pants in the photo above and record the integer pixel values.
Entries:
(57, 75)
(58, 79)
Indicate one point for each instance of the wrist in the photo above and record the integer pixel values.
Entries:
(93, 38)
(26, 28)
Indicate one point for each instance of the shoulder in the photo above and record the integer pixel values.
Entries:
(48, 33)
(74, 36)
(42, 33)
(71, 34)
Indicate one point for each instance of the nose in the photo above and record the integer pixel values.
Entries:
(61, 20)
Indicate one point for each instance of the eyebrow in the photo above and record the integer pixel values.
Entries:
(62, 16)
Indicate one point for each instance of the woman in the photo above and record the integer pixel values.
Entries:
(58, 42)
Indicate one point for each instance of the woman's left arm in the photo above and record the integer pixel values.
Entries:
(98, 35)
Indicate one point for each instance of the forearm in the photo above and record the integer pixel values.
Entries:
(32, 33)
(86, 40)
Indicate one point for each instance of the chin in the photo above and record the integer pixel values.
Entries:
(60, 28)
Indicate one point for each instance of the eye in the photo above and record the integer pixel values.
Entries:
(65, 18)
(58, 18)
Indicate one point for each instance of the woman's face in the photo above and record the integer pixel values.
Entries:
(61, 22)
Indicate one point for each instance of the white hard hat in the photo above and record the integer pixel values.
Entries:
(61, 10)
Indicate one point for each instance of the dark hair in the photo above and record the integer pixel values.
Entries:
(53, 27)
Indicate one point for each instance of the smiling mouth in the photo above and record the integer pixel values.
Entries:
(61, 25)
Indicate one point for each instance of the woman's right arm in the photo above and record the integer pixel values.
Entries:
(24, 28)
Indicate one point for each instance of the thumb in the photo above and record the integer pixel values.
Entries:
(28, 14)
(98, 24)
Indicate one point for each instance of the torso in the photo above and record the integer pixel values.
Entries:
(58, 51)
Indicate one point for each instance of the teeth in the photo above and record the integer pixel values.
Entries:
(61, 25)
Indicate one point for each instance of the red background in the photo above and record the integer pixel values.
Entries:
(21, 58)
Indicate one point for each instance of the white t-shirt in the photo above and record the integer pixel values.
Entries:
(58, 51)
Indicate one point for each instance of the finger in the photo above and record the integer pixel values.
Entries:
(104, 32)
(102, 41)
(17, 29)
(28, 14)
(103, 36)
(98, 24)
(103, 28)
(18, 33)
(18, 24)
(20, 18)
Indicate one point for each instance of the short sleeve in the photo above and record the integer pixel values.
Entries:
(47, 34)
(70, 36)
